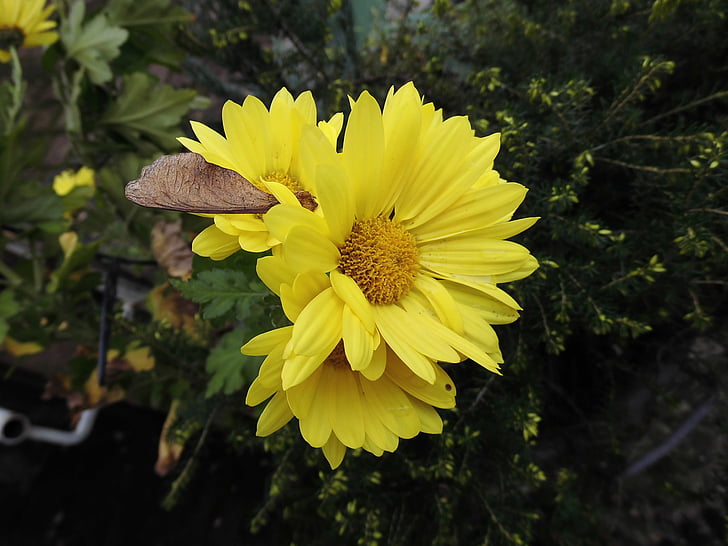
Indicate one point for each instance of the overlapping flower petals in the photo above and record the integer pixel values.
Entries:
(338, 408)
(362, 371)
(263, 146)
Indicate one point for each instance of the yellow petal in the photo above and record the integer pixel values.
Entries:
(285, 127)
(392, 407)
(257, 393)
(302, 395)
(402, 119)
(306, 105)
(400, 328)
(334, 451)
(264, 343)
(363, 152)
(528, 267)
(282, 218)
(214, 244)
(378, 363)
(430, 420)
(275, 415)
(435, 329)
(493, 304)
(299, 368)
(245, 147)
(307, 250)
(316, 427)
(350, 293)
(376, 434)
(217, 149)
(273, 271)
(336, 202)
(439, 179)
(358, 343)
(442, 302)
(474, 210)
(347, 420)
(441, 393)
(254, 120)
(318, 327)
(464, 255)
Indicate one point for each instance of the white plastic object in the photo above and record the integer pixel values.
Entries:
(16, 427)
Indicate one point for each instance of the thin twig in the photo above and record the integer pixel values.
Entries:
(714, 211)
(642, 167)
(626, 99)
(671, 443)
(655, 138)
(698, 102)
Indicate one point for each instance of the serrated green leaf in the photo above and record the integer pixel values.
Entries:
(147, 111)
(230, 369)
(222, 291)
(93, 44)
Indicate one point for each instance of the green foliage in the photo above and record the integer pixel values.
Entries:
(222, 291)
(8, 308)
(146, 114)
(230, 370)
(93, 44)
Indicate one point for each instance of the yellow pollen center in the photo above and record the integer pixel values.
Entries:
(281, 177)
(337, 358)
(382, 259)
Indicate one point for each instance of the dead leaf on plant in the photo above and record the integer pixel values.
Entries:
(171, 250)
(187, 183)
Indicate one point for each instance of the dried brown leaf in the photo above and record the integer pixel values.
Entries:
(171, 249)
(187, 183)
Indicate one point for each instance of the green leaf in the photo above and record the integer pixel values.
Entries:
(222, 291)
(146, 111)
(11, 97)
(8, 308)
(94, 44)
(24, 208)
(230, 369)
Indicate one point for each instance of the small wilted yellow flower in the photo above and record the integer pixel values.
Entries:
(263, 146)
(24, 23)
(64, 182)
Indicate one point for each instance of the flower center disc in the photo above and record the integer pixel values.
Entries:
(381, 258)
(337, 358)
(281, 177)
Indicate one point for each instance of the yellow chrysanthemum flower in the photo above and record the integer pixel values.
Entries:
(66, 181)
(408, 246)
(262, 146)
(24, 23)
